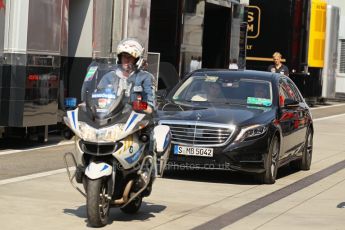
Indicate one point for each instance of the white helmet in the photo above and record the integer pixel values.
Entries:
(133, 47)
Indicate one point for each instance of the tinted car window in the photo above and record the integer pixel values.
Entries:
(294, 89)
(286, 91)
(224, 89)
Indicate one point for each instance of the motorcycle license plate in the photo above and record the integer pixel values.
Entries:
(193, 151)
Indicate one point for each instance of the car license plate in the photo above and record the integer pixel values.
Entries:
(193, 151)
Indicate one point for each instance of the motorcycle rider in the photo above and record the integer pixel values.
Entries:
(130, 57)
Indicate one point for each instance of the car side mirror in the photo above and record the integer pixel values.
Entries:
(290, 103)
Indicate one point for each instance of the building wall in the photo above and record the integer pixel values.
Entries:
(340, 73)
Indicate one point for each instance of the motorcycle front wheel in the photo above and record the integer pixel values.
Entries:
(97, 203)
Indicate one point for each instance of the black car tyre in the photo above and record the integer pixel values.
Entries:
(271, 161)
(97, 203)
(307, 154)
(134, 206)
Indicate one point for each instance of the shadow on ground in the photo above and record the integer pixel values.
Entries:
(147, 211)
(218, 176)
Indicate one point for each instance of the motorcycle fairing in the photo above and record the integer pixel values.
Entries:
(132, 121)
(135, 157)
(98, 170)
(129, 154)
(72, 121)
(162, 137)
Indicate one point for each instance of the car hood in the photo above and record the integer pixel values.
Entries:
(228, 114)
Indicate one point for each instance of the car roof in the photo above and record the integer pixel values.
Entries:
(252, 74)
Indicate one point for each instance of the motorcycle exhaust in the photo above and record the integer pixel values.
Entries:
(146, 181)
(124, 198)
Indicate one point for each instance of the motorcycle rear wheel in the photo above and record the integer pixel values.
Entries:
(97, 204)
(134, 206)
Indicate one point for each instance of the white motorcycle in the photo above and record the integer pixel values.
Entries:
(116, 156)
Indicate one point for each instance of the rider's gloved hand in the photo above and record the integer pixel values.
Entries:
(148, 110)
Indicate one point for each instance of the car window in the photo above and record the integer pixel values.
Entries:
(286, 91)
(222, 89)
(294, 89)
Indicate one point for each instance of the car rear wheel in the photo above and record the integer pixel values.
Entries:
(271, 161)
(308, 152)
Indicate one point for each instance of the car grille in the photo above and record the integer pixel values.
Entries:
(196, 133)
(98, 148)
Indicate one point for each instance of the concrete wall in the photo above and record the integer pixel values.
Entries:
(340, 77)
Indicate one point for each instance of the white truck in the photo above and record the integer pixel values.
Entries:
(33, 38)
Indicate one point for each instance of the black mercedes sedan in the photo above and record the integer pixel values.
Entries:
(249, 121)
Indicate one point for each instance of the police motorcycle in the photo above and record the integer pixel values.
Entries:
(116, 158)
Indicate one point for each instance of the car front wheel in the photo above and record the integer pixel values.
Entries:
(271, 161)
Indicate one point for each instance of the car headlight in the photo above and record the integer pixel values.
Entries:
(250, 132)
(108, 134)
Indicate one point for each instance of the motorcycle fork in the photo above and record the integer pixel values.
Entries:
(111, 182)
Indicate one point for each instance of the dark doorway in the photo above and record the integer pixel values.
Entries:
(216, 36)
(165, 30)
(165, 38)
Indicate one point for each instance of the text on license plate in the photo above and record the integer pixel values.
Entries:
(193, 151)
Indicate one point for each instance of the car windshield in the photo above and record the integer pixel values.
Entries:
(224, 89)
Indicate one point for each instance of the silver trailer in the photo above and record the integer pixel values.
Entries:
(37, 70)
(95, 29)
(33, 37)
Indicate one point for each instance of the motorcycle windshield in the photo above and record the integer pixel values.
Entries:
(104, 89)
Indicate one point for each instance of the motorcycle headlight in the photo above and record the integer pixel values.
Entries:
(108, 134)
(251, 132)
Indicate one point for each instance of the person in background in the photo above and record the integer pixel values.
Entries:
(278, 66)
(199, 61)
(214, 92)
(260, 91)
(233, 64)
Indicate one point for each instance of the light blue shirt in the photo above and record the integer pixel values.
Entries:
(143, 79)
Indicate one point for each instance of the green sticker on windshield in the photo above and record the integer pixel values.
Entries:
(259, 107)
(91, 73)
(259, 101)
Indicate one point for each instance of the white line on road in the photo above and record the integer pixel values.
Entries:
(31, 149)
(33, 176)
(327, 107)
(329, 117)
